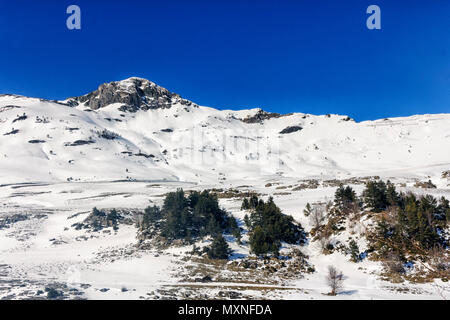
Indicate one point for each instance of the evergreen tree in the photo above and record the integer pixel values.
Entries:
(172, 228)
(428, 203)
(175, 201)
(261, 243)
(97, 213)
(374, 196)
(344, 198)
(237, 234)
(392, 197)
(443, 213)
(235, 230)
(444, 205)
(213, 227)
(354, 251)
(112, 218)
(245, 204)
(151, 215)
(193, 199)
(379, 241)
(219, 248)
(253, 202)
(247, 222)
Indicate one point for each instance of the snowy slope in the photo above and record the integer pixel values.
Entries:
(190, 143)
(128, 143)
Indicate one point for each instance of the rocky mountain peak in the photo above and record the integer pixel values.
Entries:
(134, 93)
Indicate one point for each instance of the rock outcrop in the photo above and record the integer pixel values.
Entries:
(134, 93)
(291, 129)
(262, 115)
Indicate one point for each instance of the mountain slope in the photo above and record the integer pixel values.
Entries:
(134, 129)
(129, 143)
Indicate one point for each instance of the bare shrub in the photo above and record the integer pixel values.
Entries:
(329, 206)
(335, 280)
(354, 212)
(439, 259)
(393, 263)
(317, 216)
(324, 242)
(324, 238)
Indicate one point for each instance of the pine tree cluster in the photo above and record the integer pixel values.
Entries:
(268, 226)
(189, 217)
(411, 226)
(406, 226)
(379, 195)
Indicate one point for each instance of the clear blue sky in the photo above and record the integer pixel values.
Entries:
(313, 56)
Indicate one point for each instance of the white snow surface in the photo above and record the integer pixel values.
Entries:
(204, 148)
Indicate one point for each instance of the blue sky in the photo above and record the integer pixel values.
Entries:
(313, 56)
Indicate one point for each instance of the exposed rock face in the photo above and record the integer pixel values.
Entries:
(291, 129)
(262, 115)
(134, 93)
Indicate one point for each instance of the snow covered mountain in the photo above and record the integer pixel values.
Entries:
(129, 143)
(134, 129)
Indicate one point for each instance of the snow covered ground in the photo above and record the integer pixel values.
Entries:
(58, 162)
(45, 250)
